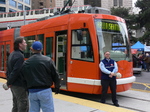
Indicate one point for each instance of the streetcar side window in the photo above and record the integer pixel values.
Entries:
(49, 47)
(81, 45)
(41, 39)
(2, 57)
(7, 52)
(29, 41)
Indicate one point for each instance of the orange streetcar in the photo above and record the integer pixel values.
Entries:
(77, 42)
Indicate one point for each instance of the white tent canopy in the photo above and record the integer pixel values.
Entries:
(147, 48)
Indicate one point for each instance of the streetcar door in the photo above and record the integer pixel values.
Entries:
(82, 67)
(61, 48)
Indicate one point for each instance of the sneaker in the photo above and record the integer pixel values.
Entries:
(116, 104)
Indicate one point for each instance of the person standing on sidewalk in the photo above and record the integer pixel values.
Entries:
(39, 72)
(147, 61)
(14, 79)
(108, 69)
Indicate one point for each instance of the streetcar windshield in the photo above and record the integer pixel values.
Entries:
(113, 37)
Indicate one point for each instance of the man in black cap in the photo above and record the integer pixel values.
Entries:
(39, 72)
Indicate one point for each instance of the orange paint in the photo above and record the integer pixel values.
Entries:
(81, 76)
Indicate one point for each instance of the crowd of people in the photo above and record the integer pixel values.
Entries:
(142, 61)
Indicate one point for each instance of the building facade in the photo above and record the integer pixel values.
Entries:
(40, 4)
(108, 4)
(14, 5)
(93, 3)
(61, 3)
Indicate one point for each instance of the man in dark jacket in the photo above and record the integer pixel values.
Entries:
(40, 73)
(14, 79)
(147, 61)
(109, 69)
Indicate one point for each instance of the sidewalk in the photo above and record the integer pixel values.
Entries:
(62, 103)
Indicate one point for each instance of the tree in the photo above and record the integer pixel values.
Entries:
(120, 11)
(129, 18)
(143, 17)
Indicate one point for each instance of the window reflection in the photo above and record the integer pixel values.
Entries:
(2, 9)
(49, 46)
(27, 1)
(12, 10)
(112, 37)
(7, 52)
(12, 3)
(27, 8)
(29, 41)
(2, 2)
(20, 6)
(2, 57)
(81, 45)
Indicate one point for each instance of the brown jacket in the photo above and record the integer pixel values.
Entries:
(147, 59)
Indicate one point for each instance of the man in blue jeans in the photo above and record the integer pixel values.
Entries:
(39, 72)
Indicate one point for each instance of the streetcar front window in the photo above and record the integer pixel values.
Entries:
(112, 37)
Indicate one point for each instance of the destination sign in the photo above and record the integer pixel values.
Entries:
(107, 26)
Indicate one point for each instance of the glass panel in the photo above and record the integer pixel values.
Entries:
(12, 3)
(81, 45)
(120, 3)
(17, 13)
(115, 2)
(27, 1)
(1, 15)
(20, 6)
(29, 41)
(49, 46)
(41, 39)
(2, 2)
(7, 52)
(2, 57)
(12, 10)
(113, 37)
(27, 8)
(61, 52)
(2, 9)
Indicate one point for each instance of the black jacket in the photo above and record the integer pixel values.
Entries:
(15, 61)
(39, 72)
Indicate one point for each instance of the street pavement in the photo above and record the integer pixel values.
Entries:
(130, 100)
(142, 81)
